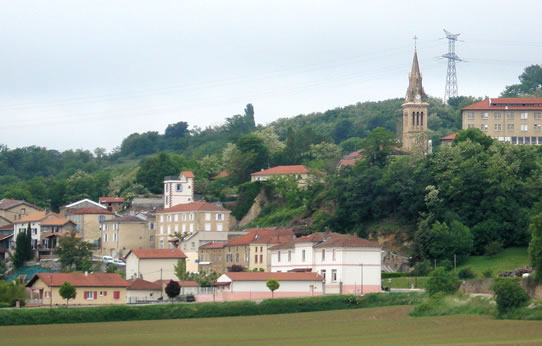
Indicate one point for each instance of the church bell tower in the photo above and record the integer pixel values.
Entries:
(415, 111)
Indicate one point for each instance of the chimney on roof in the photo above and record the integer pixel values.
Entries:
(86, 273)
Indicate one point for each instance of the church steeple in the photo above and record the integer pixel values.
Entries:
(415, 111)
(415, 92)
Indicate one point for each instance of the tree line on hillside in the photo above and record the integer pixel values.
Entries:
(50, 178)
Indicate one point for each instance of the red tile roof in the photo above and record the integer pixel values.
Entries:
(194, 206)
(80, 279)
(218, 245)
(268, 235)
(264, 276)
(347, 240)
(9, 227)
(5, 236)
(449, 137)
(323, 239)
(143, 285)
(56, 221)
(188, 174)
(37, 216)
(111, 200)
(92, 210)
(507, 103)
(8, 203)
(157, 253)
(348, 162)
(279, 170)
(222, 174)
(181, 283)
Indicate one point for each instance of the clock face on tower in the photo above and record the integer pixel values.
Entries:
(418, 96)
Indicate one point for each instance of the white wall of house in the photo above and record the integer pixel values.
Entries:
(141, 295)
(36, 231)
(180, 191)
(150, 268)
(346, 271)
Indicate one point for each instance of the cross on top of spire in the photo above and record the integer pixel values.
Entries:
(415, 38)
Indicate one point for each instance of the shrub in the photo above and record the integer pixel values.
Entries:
(67, 291)
(466, 273)
(488, 274)
(493, 248)
(446, 264)
(422, 268)
(441, 280)
(393, 275)
(509, 294)
(175, 311)
(172, 289)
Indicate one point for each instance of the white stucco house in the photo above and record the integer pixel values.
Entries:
(153, 264)
(347, 263)
(253, 285)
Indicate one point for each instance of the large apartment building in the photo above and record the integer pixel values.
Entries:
(190, 218)
(512, 120)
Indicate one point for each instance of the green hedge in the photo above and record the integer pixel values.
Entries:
(392, 275)
(175, 311)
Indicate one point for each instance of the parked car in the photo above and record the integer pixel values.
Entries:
(119, 262)
(107, 259)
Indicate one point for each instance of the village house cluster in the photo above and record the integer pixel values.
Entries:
(149, 237)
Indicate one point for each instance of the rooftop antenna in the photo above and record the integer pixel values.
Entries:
(451, 76)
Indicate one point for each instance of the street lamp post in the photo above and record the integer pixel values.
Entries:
(361, 272)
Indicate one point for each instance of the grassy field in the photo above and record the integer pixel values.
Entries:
(507, 260)
(389, 325)
(403, 282)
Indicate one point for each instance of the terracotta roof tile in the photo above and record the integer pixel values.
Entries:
(5, 236)
(188, 283)
(262, 236)
(8, 203)
(507, 103)
(449, 137)
(188, 174)
(143, 285)
(9, 227)
(157, 253)
(217, 245)
(222, 174)
(92, 210)
(111, 200)
(279, 170)
(80, 279)
(323, 239)
(37, 216)
(264, 276)
(56, 221)
(194, 206)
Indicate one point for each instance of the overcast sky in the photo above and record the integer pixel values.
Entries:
(86, 74)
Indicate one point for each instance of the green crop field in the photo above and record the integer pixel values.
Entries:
(388, 325)
(507, 260)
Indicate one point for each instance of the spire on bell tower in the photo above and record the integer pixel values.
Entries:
(415, 110)
(415, 92)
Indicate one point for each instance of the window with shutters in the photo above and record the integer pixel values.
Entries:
(116, 295)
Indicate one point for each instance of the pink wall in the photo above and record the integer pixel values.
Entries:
(230, 296)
